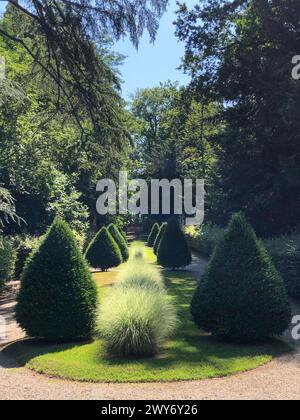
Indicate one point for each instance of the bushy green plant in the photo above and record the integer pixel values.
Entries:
(103, 251)
(7, 261)
(134, 322)
(142, 275)
(173, 251)
(121, 242)
(241, 296)
(158, 239)
(25, 246)
(58, 298)
(137, 252)
(204, 239)
(285, 252)
(153, 234)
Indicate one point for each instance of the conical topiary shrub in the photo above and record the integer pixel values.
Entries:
(241, 296)
(121, 242)
(173, 251)
(160, 234)
(103, 251)
(58, 298)
(153, 234)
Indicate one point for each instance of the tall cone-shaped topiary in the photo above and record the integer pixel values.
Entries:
(173, 251)
(153, 234)
(159, 236)
(121, 242)
(241, 296)
(58, 298)
(103, 251)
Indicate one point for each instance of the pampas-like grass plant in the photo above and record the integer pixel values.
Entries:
(140, 274)
(134, 321)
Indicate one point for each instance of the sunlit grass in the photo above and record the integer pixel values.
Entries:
(189, 355)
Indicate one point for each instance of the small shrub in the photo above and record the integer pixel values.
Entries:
(103, 251)
(25, 247)
(153, 234)
(7, 261)
(241, 296)
(137, 252)
(134, 322)
(142, 275)
(119, 238)
(58, 298)
(204, 239)
(173, 251)
(158, 239)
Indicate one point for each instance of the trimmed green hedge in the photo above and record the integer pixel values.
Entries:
(103, 251)
(153, 234)
(241, 296)
(58, 298)
(120, 240)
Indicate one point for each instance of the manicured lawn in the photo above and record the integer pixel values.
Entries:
(189, 355)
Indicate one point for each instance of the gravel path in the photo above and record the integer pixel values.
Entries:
(277, 380)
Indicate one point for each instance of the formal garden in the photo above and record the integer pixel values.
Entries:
(119, 312)
(106, 281)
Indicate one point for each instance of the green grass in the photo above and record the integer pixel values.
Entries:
(190, 355)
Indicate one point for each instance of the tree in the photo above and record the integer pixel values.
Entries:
(241, 296)
(173, 251)
(103, 251)
(239, 53)
(120, 240)
(153, 234)
(159, 237)
(58, 298)
(63, 41)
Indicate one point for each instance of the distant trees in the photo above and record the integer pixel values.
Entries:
(239, 53)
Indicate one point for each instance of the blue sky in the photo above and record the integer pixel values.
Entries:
(152, 64)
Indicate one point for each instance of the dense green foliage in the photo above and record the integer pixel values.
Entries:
(173, 251)
(120, 240)
(285, 252)
(159, 237)
(153, 234)
(7, 261)
(58, 298)
(241, 296)
(103, 251)
(204, 239)
(240, 53)
(137, 315)
(24, 246)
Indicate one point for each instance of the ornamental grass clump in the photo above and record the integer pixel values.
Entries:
(138, 274)
(134, 321)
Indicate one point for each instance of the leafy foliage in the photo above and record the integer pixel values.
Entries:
(25, 246)
(242, 296)
(58, 298)
(7, 261)
(285, 252)
(159, 237)
(120, 240)
(153, 234)
(204, 239)
(103, 251)
(173, 251)
(239, 53)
